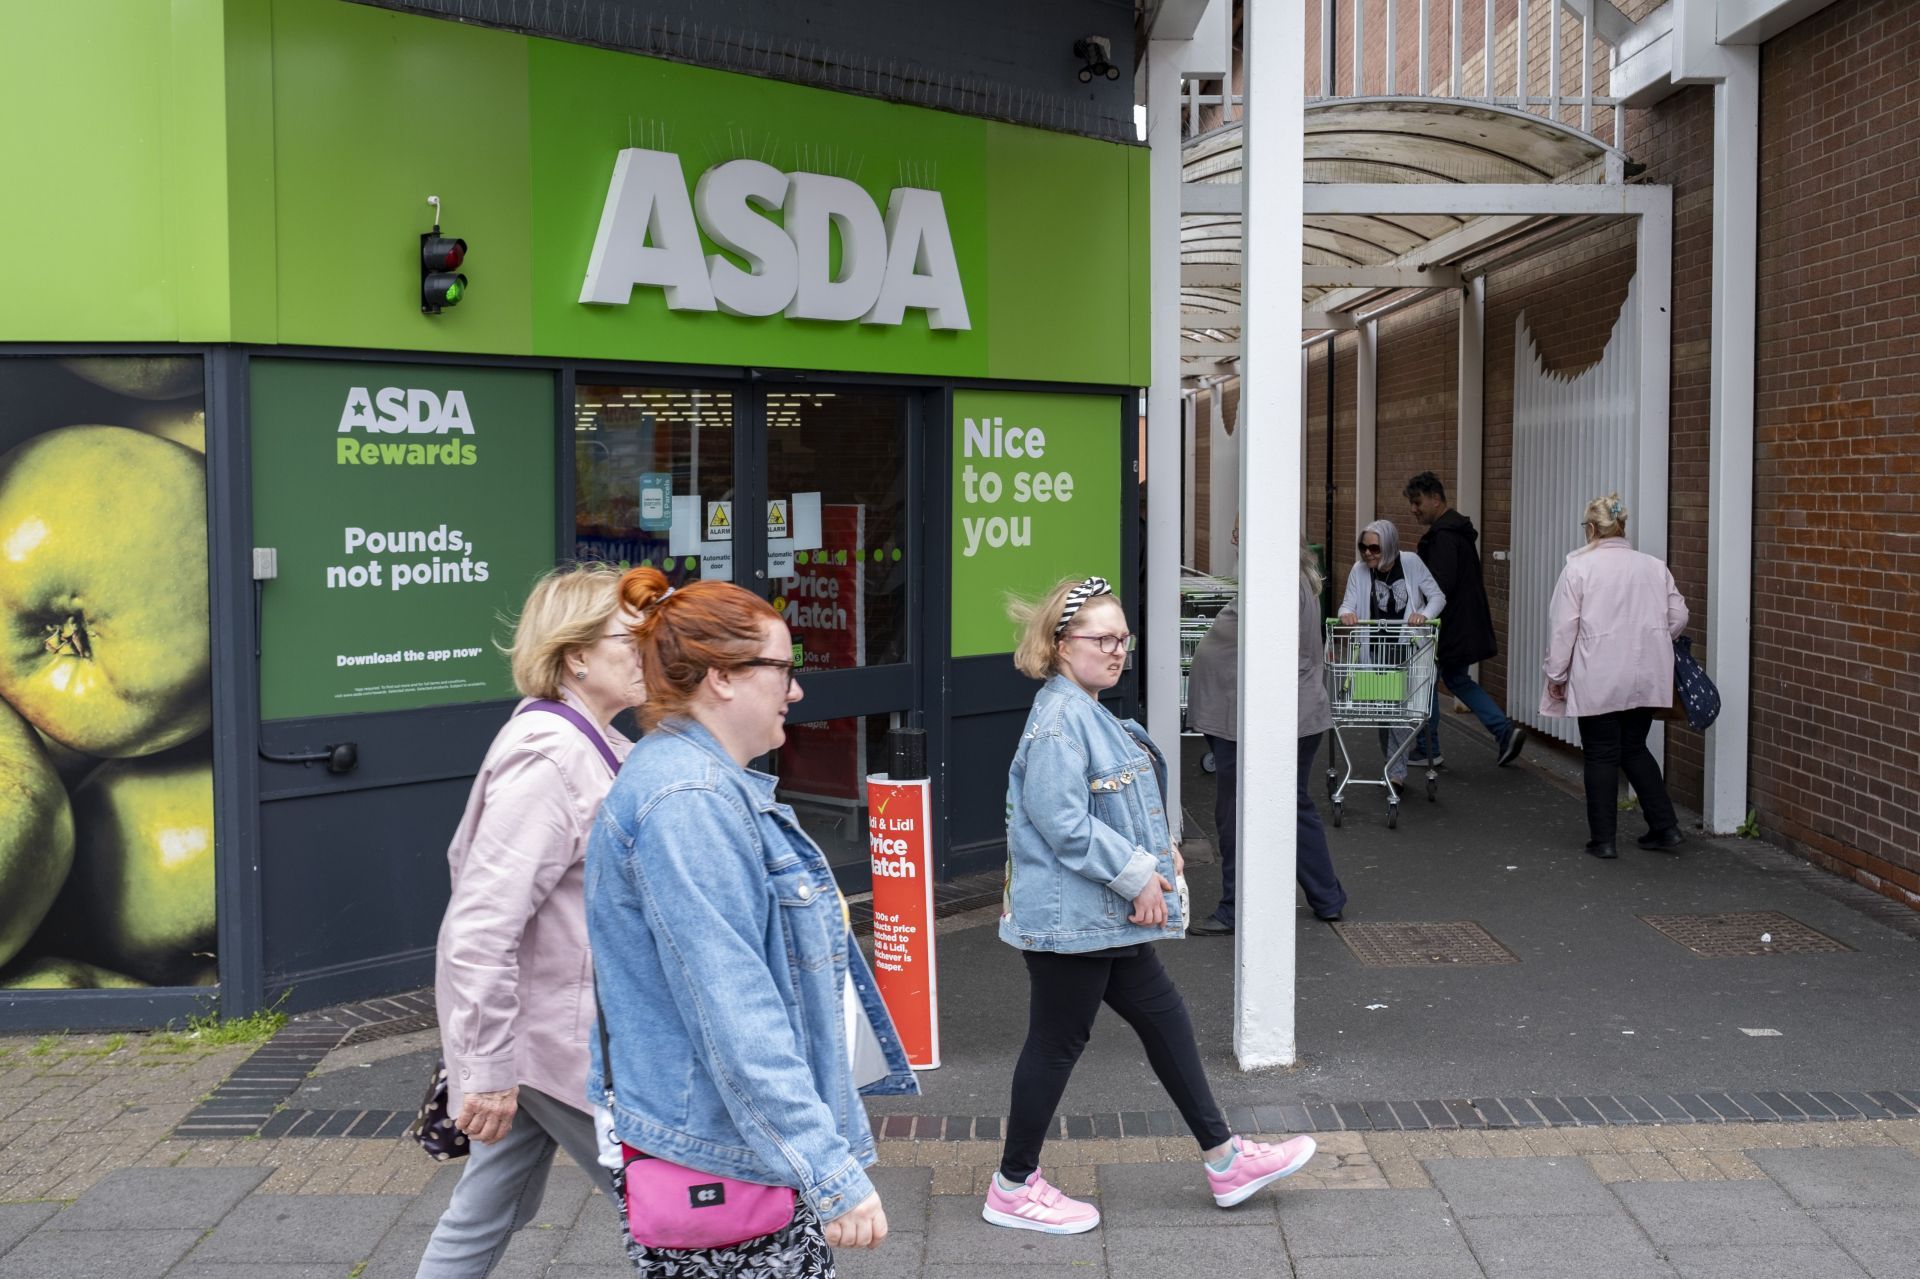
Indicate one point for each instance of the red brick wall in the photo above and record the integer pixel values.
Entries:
(1836, 658)
(1418, 390)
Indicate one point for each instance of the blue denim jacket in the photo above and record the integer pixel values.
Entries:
(721, 952)
(1086, 827)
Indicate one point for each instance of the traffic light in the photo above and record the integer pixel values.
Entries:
(441, 285)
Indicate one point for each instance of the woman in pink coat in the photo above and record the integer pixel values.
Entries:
(1609, 662)
(514, 978)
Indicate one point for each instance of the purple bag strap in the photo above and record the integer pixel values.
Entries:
(579, 721)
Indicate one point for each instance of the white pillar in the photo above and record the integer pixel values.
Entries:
(1223, 464)
(1273, 159)
(1365, 427)
(1160, 611)
(1653, 275)
(1736, 200)
(1470, 430)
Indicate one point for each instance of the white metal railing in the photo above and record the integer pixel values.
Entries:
(1447, 72)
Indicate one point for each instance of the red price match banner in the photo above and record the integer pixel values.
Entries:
(899, 815)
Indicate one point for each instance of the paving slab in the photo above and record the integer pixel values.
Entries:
(1562, 1248)
(253, 1270)
(621, 1271)
(1172, 1195)
(426, 1207)
(1719, 1214)
(527, 1256)
(1881, 1240)
(1462, 1267)
(955, 1230)
(900, 1257)
(302, 1229)
(1371, 1223)
(1521, 1187)
(1193, 1250)
(160, 1199)
(1744, 1263)
(17, 1221)
(904, 1193)
(1857, 1177)
(1044, 1270)
(599, 1241)
(124, 1254)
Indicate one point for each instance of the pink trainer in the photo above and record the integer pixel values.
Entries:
(1038, 1206)
(1257, 1165)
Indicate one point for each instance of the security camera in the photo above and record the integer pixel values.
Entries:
(1097, 54)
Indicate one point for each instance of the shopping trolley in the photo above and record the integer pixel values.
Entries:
(1379, 675)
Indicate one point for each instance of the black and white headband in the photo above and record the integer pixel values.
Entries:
(1092, 588)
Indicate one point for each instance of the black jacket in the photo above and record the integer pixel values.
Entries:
(1466, 631)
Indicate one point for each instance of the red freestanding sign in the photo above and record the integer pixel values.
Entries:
(899, 815)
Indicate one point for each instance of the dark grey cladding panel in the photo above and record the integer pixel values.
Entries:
(1003, 59)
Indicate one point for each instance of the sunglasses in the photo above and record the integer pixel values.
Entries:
(1369, 548)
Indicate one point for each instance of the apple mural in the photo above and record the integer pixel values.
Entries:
(66, 974)
(141, 377)
(36, 833)
(103, 589)
(141, 896)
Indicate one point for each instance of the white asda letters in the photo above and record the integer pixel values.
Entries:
(647, 237)
(405, 410)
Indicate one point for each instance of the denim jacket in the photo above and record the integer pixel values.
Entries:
(721, 951)
(1086, 827)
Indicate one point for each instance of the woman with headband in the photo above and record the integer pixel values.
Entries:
(1091, 865)
(1614, 617)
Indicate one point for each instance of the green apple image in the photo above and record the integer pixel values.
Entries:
(72, 766)
(36, 833)
(66, 974)
(140, 899)
(143, 377)
(184, 426)
(103, 589)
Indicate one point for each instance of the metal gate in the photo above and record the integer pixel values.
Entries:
(1574, 439)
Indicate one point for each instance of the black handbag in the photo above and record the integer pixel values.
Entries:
(433, 1126)
(1696, 693)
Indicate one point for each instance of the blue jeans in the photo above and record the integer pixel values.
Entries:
(1475, 698)
(1313, 861)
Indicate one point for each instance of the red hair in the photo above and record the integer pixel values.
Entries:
(685, 633)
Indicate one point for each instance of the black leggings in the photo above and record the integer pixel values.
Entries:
(1067, 991)
(1613, 744)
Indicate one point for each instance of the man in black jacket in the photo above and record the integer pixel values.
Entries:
(1466, 635)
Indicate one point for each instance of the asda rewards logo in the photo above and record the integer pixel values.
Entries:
(396, 410)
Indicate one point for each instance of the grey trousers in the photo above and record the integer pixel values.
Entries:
(501, 1188)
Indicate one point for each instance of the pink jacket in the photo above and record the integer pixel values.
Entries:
(1614, 616)
(514, 977)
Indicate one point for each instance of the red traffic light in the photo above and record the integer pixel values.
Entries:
(441, 253)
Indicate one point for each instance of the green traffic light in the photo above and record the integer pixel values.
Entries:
(453, 292)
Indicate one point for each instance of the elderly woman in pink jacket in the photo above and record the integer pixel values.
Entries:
(514, 983)
(1609, 662)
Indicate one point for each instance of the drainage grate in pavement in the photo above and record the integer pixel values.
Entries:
(1741, 934)
(1418, 945)
(371, 1031)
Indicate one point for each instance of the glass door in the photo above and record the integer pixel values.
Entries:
(654, 477)
(841, 557)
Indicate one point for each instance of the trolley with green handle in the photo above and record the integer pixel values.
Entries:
(1379, 675)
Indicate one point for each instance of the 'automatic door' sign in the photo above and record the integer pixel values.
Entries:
(648, 238)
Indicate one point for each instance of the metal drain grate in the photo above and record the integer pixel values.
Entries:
(1422, 945)
(390, 1029)
(1740, 934)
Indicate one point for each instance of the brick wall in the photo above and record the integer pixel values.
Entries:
(1836, 658)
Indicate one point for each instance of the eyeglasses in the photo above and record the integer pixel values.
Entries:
(773, 663)
(1370, 548)
(1109, 644)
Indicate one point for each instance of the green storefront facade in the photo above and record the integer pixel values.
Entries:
(877, 361)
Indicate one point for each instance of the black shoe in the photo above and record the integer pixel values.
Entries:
(1603, 849)
(1210, 927)
(1511, 748)
(1329, 919)
(1662, 840)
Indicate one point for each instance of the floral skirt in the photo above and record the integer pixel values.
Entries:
(796, 1251)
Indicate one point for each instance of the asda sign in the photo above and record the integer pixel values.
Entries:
(396, 410)
(888, 264)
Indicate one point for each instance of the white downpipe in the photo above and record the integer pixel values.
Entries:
(1470, 425)
(1366, 412)
(1729, 656)
(1223, 476)
(1653, 276)
(1159, 613)
(1274, 162)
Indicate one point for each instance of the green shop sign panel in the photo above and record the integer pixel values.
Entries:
(1036, 497)
(411, 506)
